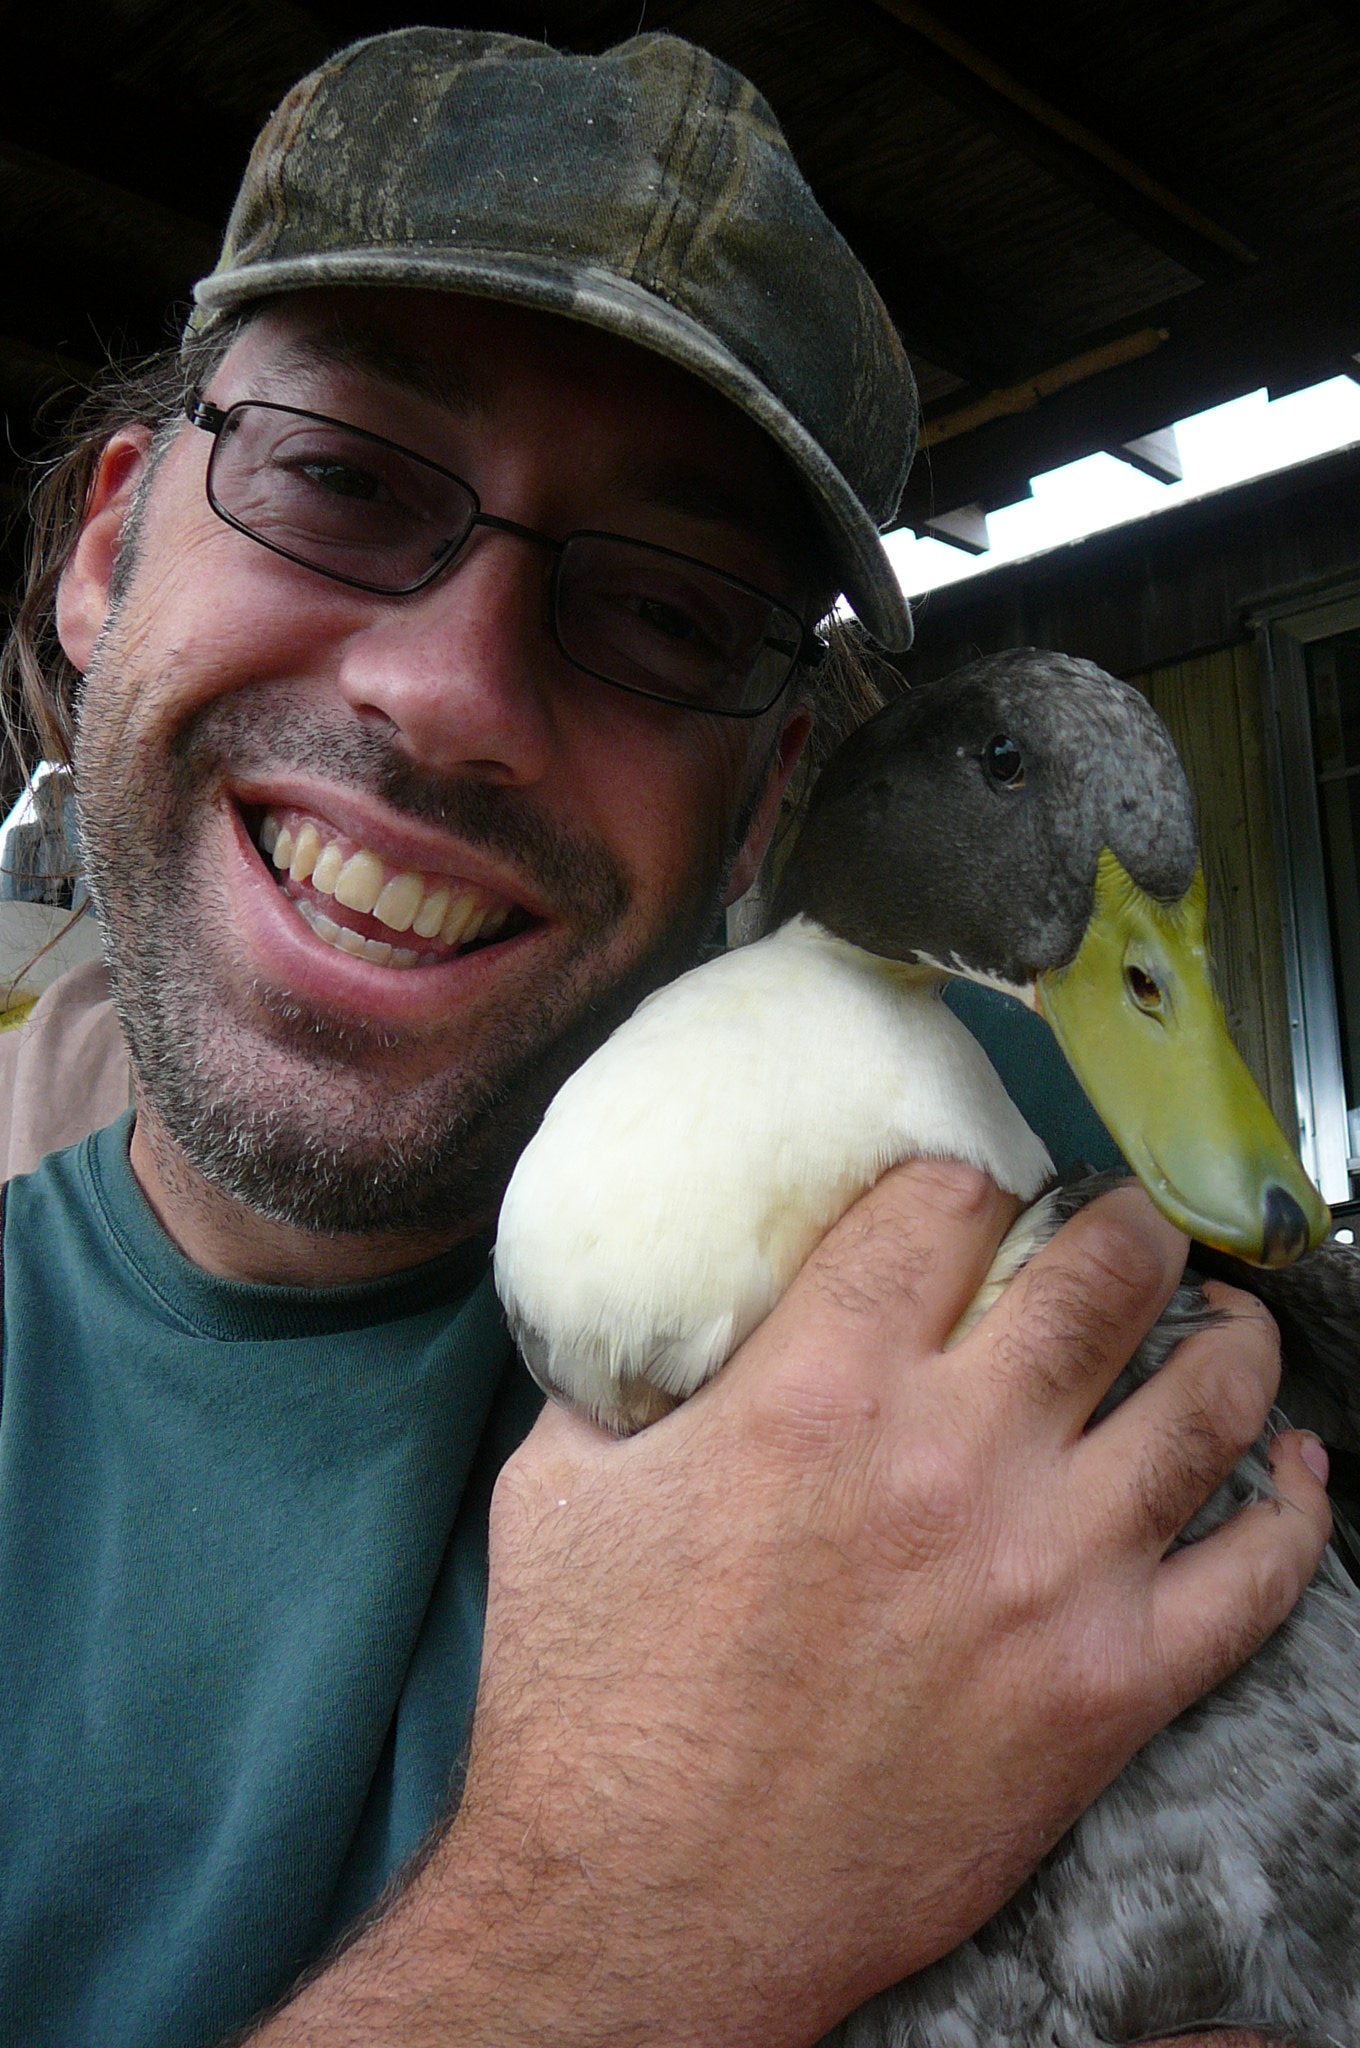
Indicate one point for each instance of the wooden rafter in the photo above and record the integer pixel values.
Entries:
(1296, 318)
(1023, 397)
(1127, 190)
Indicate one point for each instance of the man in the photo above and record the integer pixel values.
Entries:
(535, 414)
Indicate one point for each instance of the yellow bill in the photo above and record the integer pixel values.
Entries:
(1144, 1032)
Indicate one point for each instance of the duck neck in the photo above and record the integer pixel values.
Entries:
(802, 931)
(935, 1086)
(915, 973)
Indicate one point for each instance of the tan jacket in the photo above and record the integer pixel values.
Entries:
(64, 1072)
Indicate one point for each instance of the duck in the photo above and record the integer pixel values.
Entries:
(1024, 824)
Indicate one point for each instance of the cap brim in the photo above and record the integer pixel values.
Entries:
(623, 308)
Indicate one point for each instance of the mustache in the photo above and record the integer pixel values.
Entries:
(572, 873)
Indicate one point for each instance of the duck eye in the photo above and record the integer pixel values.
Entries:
(1141, 986)
(1003, 763)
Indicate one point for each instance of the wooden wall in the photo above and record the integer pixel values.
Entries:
(1138, 596)
(1212, 705)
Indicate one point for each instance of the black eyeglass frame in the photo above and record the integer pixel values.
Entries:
(201, 412)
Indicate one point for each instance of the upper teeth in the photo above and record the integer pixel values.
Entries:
(359, 880)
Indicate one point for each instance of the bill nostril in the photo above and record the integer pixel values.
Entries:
(1284, 1231)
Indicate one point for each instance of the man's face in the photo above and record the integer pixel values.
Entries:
(440, 736)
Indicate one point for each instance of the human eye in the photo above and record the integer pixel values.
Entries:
(330, 474)
(658, 622)
(342, 501)
(667, 619)
(666, 613)
(339, 479)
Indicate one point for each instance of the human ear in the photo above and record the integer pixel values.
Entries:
(746, 866)
(83, 592)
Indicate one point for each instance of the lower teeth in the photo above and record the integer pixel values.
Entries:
(346, 941)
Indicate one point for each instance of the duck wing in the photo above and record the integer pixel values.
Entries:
(1317, 1306)
(1316, 1303)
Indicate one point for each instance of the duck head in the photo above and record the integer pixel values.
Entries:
(1026, 823)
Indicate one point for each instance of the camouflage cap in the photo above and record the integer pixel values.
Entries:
(648, 191)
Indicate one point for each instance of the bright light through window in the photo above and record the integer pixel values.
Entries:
(1230, 444)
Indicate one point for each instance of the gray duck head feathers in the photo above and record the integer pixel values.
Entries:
(964, 822)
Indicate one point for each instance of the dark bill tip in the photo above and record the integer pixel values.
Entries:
(1284, 1232)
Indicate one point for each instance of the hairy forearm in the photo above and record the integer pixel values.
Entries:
(476, 1954)
(487, 1943)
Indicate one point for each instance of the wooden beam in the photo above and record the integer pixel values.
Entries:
(59, 102)
(965, 527)
(47, 304)
(1157, 455)
(1132, 597)
(49, 203)
(1125, 189)
(85, 265)
(1023, 397)
(1296, 319)
(1346, 13)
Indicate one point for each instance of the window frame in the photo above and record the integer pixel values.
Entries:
(1284, 631)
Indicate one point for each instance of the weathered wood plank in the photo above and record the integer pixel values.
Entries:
(1212, 705)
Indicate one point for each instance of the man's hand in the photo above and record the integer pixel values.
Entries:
(784, 1697)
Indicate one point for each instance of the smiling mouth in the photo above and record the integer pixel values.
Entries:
(356, 902)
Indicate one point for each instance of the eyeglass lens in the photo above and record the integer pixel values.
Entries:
(372, 514)
(669, 627)
(349, 505)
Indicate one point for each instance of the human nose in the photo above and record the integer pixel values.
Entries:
(463, 670)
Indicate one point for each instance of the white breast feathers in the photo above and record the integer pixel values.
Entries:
(682, 1176)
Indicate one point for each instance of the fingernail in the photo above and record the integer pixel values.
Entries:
(1314, 1454)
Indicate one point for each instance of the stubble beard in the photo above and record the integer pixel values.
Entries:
(317, 1139)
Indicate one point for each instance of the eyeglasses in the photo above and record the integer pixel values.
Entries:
(369, 513)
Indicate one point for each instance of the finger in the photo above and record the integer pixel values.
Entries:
(1217, 1601)
(1066, 1327)
(904, 1261)
(1154, 1462)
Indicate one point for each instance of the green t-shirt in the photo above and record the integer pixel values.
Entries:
(242, 1588)
(242, 1585)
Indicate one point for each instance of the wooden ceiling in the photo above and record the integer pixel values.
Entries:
(1088, 219)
